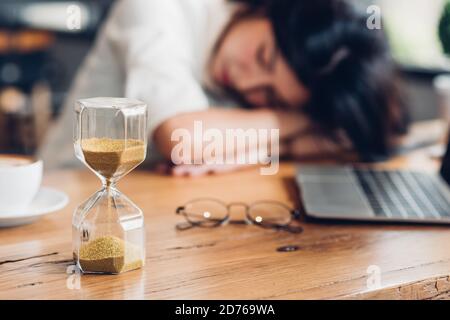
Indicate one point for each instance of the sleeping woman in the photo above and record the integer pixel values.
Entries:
(311, 69)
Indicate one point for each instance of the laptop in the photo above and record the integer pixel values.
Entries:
(368, 194)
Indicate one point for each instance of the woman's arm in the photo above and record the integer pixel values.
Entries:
(299, 138)
(288, 123)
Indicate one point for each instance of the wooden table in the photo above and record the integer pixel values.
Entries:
(231, 262)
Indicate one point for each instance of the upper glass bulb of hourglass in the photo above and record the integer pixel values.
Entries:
(110, 135)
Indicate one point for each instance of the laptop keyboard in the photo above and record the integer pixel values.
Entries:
(404, 194)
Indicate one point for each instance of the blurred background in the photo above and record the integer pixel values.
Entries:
(40, 53)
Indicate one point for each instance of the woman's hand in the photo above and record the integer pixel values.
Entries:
(198, 170)
(316, 145)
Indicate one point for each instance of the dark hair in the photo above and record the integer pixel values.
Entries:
(346, 66)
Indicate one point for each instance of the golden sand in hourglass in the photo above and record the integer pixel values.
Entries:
(110, 254)
(110, 157)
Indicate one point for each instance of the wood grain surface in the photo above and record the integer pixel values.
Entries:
(234, 261)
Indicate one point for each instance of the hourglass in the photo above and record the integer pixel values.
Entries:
(108, 229)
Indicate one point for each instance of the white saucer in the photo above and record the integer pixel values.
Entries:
(46, 201)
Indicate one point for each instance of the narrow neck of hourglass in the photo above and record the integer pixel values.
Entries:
(109, 183)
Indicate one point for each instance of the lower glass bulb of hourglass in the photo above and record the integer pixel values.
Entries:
(109, 234)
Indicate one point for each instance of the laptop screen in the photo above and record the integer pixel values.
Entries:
(445, 168)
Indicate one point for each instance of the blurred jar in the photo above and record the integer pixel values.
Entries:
(441, 85)
(25, 96)
(24, 118)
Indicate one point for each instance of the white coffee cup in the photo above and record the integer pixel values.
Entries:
(20, 179)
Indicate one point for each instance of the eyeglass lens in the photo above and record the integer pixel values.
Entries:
(270, 214)
(205, 212)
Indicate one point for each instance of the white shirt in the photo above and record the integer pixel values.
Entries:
(156, 51)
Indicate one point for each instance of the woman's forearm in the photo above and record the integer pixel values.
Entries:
(224, 119)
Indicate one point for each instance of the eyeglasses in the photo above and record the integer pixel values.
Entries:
(211, 213)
